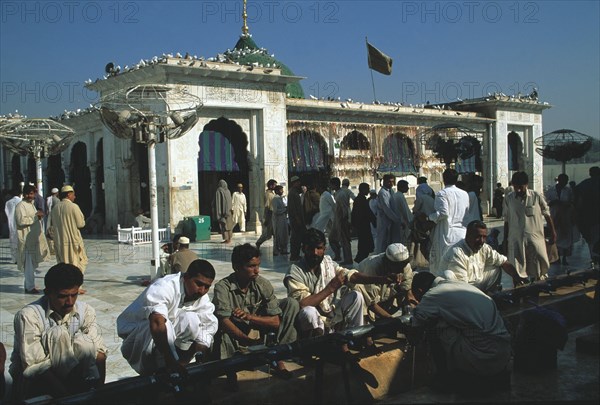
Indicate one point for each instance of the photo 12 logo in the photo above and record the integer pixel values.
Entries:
(47, 92)
(52, 12)
(451, 12)
(447, 92)
(326, 12)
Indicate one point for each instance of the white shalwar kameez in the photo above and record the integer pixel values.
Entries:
(324, 219)
(451, 205)
(9, 209)
(187, 322)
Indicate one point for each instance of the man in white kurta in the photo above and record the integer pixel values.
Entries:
(464, 323)
(281, 233)
(386, 217)
(9, 209)
(401, 229)
(170, 321)
(451, 205)
(238, 205)
(524, 213)
(321, 287)
(58, 347)
(143, 221)
(67, 220)
(323, 220)
(475, 262)
(33, 248)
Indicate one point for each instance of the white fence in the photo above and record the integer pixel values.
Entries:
(139, 236)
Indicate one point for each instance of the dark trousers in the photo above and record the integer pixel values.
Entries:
(296, 240)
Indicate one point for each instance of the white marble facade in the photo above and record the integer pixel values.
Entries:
(257, 102)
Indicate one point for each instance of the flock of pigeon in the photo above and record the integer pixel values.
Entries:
(233, 56)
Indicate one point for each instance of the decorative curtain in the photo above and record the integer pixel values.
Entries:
(305, 151)
(471, 147)
(398, 155)
(216, 153)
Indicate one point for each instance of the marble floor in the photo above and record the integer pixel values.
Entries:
(115, 271)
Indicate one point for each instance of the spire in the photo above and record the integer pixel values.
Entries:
(245, 18)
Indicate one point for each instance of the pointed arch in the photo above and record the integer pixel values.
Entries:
(398, 155)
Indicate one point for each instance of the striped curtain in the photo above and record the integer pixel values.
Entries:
(466, 165)
(398, 156)
(216, 153)
(305, 152)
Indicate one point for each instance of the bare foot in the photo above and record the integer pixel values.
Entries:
(82, 291)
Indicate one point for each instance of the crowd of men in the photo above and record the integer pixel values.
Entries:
(173, 322)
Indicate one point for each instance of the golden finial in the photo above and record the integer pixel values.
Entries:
(245, 18)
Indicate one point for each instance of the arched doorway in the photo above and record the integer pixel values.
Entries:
(223, 154)
(515, 152)
(398, 156)
(308, 158)
(79, 174)
(468, 146)
(354, 161)
(54, 172)
(17, 176)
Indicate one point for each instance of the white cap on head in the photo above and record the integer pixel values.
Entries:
(184, 240)
(397, 252)
(54, 190)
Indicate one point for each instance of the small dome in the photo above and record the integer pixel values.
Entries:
(246, 52)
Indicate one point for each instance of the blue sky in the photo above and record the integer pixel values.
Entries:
(441, 50)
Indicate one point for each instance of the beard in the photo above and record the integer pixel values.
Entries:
(313, 261)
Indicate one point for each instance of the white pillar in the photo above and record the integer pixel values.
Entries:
(153, 209)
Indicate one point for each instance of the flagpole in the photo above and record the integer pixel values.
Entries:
(371, 70)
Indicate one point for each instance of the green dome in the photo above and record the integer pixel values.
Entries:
(247, 52)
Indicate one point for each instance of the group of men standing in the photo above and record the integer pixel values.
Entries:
(39, 229)
(229, 209)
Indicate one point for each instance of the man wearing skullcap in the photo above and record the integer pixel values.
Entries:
(379, 298)
(181, 260)
(238, 204)
(67, 220)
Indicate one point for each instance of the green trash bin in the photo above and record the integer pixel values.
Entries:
(202, 227)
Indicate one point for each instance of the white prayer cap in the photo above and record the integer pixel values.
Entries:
(54, 190)
(184, 240)
(397, 252)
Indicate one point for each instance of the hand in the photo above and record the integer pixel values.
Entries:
(240, 314)
(412, 300)
(518, 281)
(336, 282)
(174, 366)
(395, 278)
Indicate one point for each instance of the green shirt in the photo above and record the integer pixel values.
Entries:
(258, 299)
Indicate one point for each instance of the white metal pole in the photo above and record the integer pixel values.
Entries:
(153, 209)
(38, 170)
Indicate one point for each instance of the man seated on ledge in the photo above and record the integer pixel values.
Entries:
(475, 262)
(170, 321)
(321, 287)
(464, 329)
(382, 300)
(58, 349)
(246, 305)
